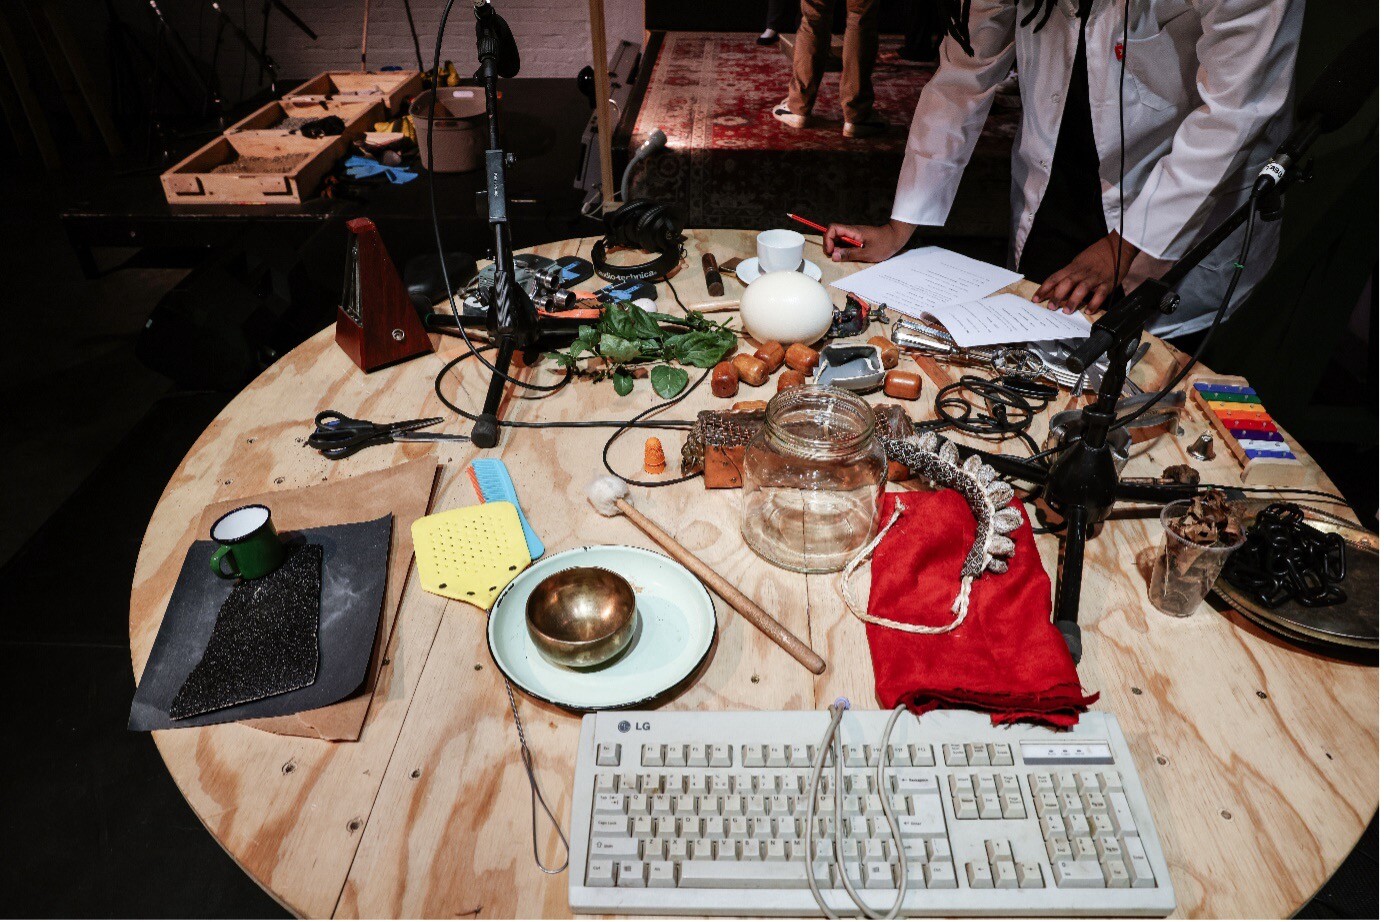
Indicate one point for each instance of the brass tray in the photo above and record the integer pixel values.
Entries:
(1353, 623)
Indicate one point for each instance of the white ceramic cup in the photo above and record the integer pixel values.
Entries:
(780, 250)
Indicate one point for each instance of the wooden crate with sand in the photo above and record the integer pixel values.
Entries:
(251, 168)
(393, 87)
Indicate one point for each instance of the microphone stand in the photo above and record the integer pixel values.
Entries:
(1082, 482)
(511, 318)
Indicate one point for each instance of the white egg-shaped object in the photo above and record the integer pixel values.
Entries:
(786, 307)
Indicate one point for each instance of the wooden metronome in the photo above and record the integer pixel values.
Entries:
(376, 324)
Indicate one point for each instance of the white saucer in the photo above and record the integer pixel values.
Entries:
(749, 270)
(677, 624)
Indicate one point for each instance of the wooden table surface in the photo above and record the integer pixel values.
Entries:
(1260, 760)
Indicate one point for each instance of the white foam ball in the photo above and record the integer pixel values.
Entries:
(786, 307)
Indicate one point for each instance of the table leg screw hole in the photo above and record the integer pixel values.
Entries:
(278, 480)
(754, 679)
(477, 667)
(1136, 689)
(416, 773)
(289, 768)
(354, 825)
(1263, 696)
(1225, 814)
(1162, 760)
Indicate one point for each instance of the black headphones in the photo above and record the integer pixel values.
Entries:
(640, 225)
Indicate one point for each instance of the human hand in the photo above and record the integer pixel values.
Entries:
(880, 242)
(1088, 280)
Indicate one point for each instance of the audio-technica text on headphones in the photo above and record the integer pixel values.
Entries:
(640, 225)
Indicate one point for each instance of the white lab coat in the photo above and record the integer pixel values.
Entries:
(1207, 87)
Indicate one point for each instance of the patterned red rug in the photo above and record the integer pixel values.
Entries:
(730, 163)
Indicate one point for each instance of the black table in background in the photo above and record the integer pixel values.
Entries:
(542, 120)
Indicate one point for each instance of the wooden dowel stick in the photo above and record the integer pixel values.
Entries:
(736, 599)
(600, 65)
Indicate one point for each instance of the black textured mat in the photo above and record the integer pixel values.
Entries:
(354, 564)
(264, 642)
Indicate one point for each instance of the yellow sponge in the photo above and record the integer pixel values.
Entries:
(470, 554)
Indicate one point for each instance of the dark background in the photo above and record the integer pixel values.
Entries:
(93, 824)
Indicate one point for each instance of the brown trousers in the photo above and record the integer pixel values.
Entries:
(857, 57)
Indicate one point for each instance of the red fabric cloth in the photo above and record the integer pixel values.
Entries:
(1005, 658)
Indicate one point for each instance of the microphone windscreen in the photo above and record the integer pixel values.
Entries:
(1343, 87)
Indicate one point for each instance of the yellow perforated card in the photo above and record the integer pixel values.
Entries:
(470, 554)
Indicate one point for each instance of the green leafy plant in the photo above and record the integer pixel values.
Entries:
(628, 336)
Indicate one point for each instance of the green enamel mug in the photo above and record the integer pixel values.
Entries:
(250, 547)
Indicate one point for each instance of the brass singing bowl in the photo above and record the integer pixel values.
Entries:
(581, 617)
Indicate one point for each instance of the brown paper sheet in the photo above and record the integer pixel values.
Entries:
(405, 491)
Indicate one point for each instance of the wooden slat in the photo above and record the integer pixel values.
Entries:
(1260, 760)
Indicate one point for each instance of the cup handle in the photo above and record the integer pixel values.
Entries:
(216, 559)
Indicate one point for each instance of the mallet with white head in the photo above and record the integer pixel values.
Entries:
(610, 497)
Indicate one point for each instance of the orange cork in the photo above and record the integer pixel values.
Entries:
(654, 461)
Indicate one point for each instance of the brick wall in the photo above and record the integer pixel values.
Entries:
(554, 36)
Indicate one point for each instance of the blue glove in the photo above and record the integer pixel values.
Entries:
(358, 167)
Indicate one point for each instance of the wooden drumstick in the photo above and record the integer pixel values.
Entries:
(608, 496)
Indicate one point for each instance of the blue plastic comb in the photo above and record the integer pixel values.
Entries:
(491, 479)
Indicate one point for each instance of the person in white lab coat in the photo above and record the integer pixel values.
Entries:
(1206, 88)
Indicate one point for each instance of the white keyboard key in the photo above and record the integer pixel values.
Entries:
(776, 850)
(701, 850)
(642, 827)
(661, 874)
(652, 755)
(600, 874)
(697, 756)
(1065, 782)
(1101, 825)
(679, 849)
(800, 756)
(940, 875)
(977, 754)
(856, 874)
(1012, 805)
(1076, 825)
(1052, 827)
(965, 807)
(1116, 874)
(1078, 874)
(998, 850)
(1059, 849)
(1046, 805)
(1008, 783)
(939, 849)
(615, 848)
(916, 877)
(629, 783)
(1108, 848)
(650, 783)
(737, 875)
(878, 875)
(689, 827)
(1121, 817)
(606, 783)
(752, 756)
(617, 826)
(1111, 783)
(922, 755)
(954, 754)
(1094, 802)
(653, 849)
(1000, 754)
(900, 755)
(720, 755)
(1006, 875)
(1030, 875)
(1040, 783)
(1140, 873)
(631, 874)
(749, 849)
(990, 807)
(776, 756)
(674, 756)
(1084, 848)
(685, 805)
(608, 754)
(1071, 803)
(609, 805)
(853, 756)
(661, 805)
(979, 876)
(913, 781)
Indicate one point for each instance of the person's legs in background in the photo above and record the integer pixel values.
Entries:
(857, 66)
(780, 18)
(809, 61)
(923, 31)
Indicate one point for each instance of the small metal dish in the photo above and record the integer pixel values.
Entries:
(581, 617)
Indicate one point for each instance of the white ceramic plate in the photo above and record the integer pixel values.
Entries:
(677, 624)
(748, 270)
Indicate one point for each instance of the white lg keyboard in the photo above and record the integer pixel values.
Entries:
(704, 813)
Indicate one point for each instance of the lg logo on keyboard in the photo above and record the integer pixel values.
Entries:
(625, 726)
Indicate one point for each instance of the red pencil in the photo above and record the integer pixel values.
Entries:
(853, 241)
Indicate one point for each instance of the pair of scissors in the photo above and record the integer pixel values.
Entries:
(337, 435)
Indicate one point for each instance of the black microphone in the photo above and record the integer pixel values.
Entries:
(495, 41)
(1338, 93)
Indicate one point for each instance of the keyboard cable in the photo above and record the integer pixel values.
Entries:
(829, 740)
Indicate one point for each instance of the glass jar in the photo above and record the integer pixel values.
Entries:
(812, 481)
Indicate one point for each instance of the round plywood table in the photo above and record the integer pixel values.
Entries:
(1260, 760)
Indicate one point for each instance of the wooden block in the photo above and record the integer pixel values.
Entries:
(801, 358)
(725, 381)
(723, 467)
(888, 352)
(772, 355)
(750, 369)
(904, 385)
(791, 378)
